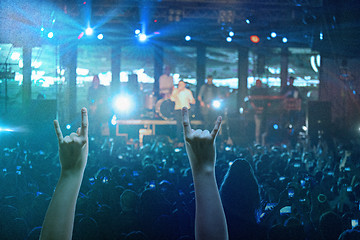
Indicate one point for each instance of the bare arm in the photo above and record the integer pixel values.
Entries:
(210, 222)
(73, 152)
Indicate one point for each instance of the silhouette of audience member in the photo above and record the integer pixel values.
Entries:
(350, 234)
(330, 226)
(73, 154)
(210, 221)
(241, 199)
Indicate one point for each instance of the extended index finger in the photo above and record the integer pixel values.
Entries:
(186, 122)
(215, 131)
(84, 123)
(58, 131)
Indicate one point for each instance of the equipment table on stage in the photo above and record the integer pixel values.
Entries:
(150, 124)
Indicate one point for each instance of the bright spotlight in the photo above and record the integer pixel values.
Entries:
(228, 39)
(304, 128)
(89, 31)
(42, 29)
(68, 126)
(276, 127)
(247, 21)
(231, 33)
(100, 36)
(187, 38)
(137, 31)
(230, 163)
(241, 110)
(284, 40)
(273, 34)
(216, 104)
(113, 120)
(50, 35)
(122, 103)
(142, 37)
(15, 56)
(6, 130)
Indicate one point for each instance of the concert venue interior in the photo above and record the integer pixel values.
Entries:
(238, 59)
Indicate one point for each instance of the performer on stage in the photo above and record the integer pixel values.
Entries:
(292, 109)
(208, 93)
(166, 84)
(259, 100)
(182, 97)
(98, 106)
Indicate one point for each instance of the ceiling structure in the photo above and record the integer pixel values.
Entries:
(206, 21)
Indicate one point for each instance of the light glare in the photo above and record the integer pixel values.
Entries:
(89, 31)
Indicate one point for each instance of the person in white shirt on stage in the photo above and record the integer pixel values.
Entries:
(182, 97)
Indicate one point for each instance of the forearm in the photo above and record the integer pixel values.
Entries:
(210, 221)
(59, 219)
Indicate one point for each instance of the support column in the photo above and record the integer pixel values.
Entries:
(284, 62)
(68, 55)
(243, 68)
(26, 87)
(200, 67)
(158, 67)
(115, 69)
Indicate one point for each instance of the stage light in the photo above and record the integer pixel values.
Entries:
(216, 104)
(230, 163)
(89, 31)
(304, 128)
(187, 38)
(137, 31)
(15, 56)
(50, 35)
(321, 36)
(254, 39)
(122, 103)
(247, 21)
(284, 40)
(276, 127)
(6, 130)
(68, 127)
(241, 110)
(231, 33)
(100, 36)
(42, 29)
(113, 120)
(81, 35)
(142, 37)
(273, 34)
(228, 39)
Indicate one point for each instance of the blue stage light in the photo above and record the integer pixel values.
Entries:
(273, 34)
(228, 39)
(89, 31)
(276, 127)
(68, 127)
(284, 40)
(137, 31)
(231, 33)
(187, 38)
(142, 37)
(50, 35)
(100, 36)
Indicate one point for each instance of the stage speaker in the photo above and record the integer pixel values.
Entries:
(318, 120)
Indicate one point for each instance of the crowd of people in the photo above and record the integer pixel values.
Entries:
(119, 191)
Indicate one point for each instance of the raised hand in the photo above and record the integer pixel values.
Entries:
(73, 153)
(210, 222)
(74, 148)
(200, 144)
